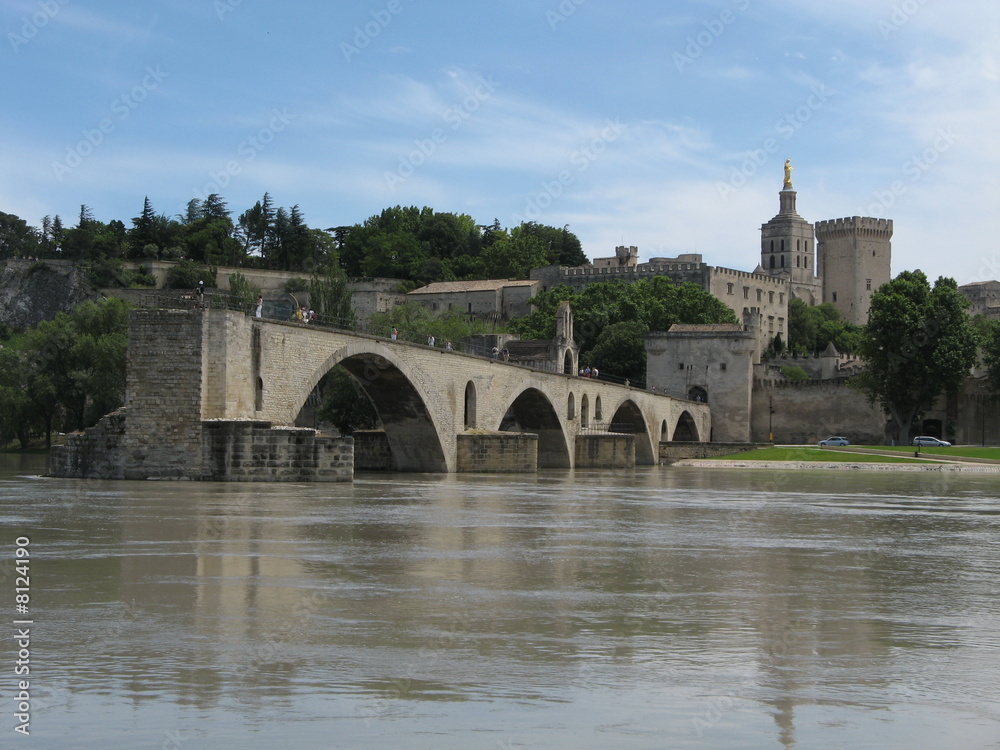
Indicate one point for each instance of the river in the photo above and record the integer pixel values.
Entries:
(655, 608)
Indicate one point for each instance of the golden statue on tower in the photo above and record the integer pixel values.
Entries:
(788, 174)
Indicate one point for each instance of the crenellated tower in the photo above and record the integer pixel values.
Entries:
(854, 257)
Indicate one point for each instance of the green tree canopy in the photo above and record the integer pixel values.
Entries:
(653, 304)
(68, 371)
(812, 329)
(918, 343)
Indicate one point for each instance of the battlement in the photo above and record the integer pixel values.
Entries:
(865, 225)
(763, 279)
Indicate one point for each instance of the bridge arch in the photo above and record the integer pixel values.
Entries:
(532, 412)
(401, 404)
(628, 418)
(686, 429)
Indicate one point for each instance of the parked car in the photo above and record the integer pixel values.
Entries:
(932, 442)
(835, 441)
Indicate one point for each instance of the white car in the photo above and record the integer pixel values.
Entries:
(930, 442)
(835, 441)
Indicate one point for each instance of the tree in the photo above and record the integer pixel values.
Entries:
(620, 349)
(918, 343)
(330, 296)
(242, 294)
(344, 404)
(17, 239)
(655, 304)
(990, 344)
(143, 230)
(69, 370)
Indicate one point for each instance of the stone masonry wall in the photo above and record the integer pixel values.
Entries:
(671, 451)
(810, 410)
(497, 452)
(163, 394)
(372, 451)
(95, 453)
(257, 452)
(605, 452)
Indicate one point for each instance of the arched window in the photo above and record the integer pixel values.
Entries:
(598, 415)
(470, 406)
(772, 246)
(782, 246)
(698, 394)
(772, 261)
(259, 395)
(571, 407)
(584, 411)
(782, 261)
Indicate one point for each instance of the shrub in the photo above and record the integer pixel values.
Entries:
(187, 273)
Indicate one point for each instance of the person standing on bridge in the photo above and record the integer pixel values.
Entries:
(259, 312)
(430, 340)
(394, 334)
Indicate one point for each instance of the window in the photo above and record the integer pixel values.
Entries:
(782, 261)
(680, 365)
(770, 297)
(798, 261)
(868, 284)
(772, 261)
(781, 324)
(772, 246)
(729, 288)
(770, 323)
(782, 246)
(760, 295)
(781, 298)
(798, 244)
(746, 292)
(834, 296)
(722, 366)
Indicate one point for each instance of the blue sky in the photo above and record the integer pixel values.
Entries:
(658, 124)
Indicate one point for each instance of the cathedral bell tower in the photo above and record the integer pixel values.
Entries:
(788, 246)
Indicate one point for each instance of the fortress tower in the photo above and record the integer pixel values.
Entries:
(854, 257)
(787, 247)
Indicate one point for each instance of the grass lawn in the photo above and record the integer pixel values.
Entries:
(807, 453)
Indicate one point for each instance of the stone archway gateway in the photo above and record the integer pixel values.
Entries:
(214, 394)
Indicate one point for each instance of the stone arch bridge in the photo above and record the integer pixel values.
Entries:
(208, 391)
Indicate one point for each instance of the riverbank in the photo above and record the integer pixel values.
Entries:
(838, 465)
